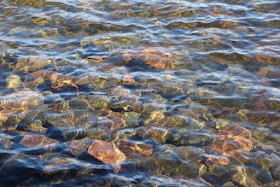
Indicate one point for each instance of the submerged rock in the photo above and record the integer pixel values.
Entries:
(198, 137)
(242, 177)
(13, 81)
(110, 120)
(77, 147)
(189, 153)
(37, 140)
(166, 162)
(29, 64)
(276, 172)
(129, 80)
(134, 149)
(107, 153)
(36, 126)
(5, 141)
(230, 144)
(58, 80)
(14, 107)
(125, 99)
(96, 101)
(22, 101)
(168, 121)
(150, 58)
(84, 119)
(159, 135)
(265, 177)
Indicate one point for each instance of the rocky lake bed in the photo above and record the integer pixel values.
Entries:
(136, 93)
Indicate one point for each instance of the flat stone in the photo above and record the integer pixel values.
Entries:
(107, 153)
(168, 121)
(37, 140)
(22, 101)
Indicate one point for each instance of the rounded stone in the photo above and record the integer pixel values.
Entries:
(13, 81)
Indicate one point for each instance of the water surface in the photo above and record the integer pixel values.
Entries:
(187, 91)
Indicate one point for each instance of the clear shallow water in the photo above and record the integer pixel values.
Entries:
(188, 91)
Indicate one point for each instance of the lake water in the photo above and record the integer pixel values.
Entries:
(140, 93)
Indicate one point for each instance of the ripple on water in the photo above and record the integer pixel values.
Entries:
(128, 93)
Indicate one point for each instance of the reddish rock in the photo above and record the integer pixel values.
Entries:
(229, 143)
(128, 79)
(155, 57)
(77, 147)
(37, 140)
(107, 153)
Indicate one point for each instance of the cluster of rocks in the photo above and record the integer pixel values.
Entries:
(108, 111)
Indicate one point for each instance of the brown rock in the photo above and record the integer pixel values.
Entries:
(111, 120)
(97, 59)
(46, 74)
(263, 58)
(106, 66)
(229, 144)
(124, 98)
(22, 101)
(155, 57)
(58, 80)
(3, 116)
(77, 147)
(107, 153)
(128, 79)
(27, 64)
(135, 148)
(37, 140)
(159, 135)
